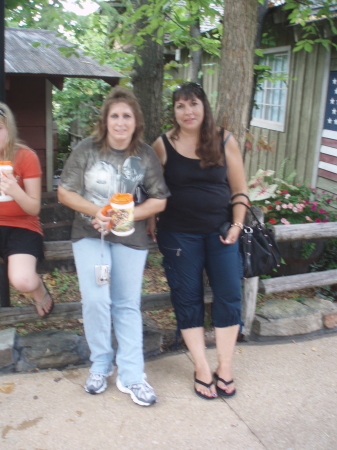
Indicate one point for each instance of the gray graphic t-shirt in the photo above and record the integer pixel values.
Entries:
(96, 177)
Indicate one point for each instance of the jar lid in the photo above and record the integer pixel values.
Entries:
(121, 199)
(5, 163)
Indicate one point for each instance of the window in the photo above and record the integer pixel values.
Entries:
(272, 98)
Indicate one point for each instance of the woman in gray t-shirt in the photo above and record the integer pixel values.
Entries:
(113, 160)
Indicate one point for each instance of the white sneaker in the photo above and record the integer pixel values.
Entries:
(96, 383)
(141, 393)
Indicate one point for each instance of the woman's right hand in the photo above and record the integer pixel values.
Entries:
(232, 236)
(151, 228)
(101, 221)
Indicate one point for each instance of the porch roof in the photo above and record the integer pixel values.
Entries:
(22, 56)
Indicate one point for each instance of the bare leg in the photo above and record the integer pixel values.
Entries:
(225, 344)
(195, 341)
(23, 277)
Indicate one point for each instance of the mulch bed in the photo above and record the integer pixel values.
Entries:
(64, 288)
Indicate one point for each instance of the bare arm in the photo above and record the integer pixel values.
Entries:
(28, 198)
(238, 185)
(159, 148)
(76, 202)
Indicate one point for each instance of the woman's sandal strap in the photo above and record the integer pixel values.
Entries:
(208, 385)
(227, 383)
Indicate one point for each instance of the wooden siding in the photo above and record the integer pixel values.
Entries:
(297, 144)
(26, 98)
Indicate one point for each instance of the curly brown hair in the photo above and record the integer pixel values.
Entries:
(119, 94)
(209, 148)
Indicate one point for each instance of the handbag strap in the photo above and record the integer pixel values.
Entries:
(240, 193)
(226, 139)
(251, 210)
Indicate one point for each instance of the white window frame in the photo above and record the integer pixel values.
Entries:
(268, 124)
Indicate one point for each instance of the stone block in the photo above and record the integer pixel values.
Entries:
(330, 320)
(286, 318)
(327, 308)
(49, 349)
(7, 343)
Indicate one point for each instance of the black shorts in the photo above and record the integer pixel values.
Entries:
(15, 240)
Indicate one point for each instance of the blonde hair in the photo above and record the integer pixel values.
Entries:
(12, 142)
(119, 94)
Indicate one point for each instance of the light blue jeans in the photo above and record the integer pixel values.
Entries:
(120, 300)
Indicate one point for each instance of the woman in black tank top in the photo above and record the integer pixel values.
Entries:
(203, 169)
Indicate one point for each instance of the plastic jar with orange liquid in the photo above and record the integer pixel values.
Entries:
(6, 167)
(122, 206)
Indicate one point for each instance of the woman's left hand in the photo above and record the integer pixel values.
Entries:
(101, 221)
(232, 236)
(9, 185)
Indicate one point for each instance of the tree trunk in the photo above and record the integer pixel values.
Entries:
(147, 80)
(196, 55)
(236, 66)
(261, 15)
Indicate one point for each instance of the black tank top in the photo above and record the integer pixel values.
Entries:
(200, 198)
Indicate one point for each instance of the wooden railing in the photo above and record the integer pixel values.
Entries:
(252, 286)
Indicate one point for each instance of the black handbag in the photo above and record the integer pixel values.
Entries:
(259, 250)
(140, 194)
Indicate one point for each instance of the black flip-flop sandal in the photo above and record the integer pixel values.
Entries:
(44, 301)
(223, 392)
(208, 385)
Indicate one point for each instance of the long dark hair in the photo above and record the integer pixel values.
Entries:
(209, 146)
(119, 94)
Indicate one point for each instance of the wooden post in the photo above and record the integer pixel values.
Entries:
(250, 289)
(4, 286)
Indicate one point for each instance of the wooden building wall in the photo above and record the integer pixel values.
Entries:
(26, 96)
(297, 144)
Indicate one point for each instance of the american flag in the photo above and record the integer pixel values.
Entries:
(327, 167)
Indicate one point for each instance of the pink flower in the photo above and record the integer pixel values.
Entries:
(308, 218)
(313, 208)
(321, 211)
(285, 221)
(278, 207)
(325, 220)
(284, 206)
(307, 202)
(290, 205)
(328, 200)
(318, 220)
(287, 196)
(315, 203)
(295, 209)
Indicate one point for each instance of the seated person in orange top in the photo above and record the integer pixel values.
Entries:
(20, 199)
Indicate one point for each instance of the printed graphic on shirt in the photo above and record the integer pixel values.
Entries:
(103, 179)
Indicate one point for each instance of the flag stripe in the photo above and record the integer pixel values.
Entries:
(328, 167)
(325, 174)
(329, 150)
(329, 142)
(328, 159)
(329, 134)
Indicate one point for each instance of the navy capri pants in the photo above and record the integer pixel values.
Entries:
(186, 255)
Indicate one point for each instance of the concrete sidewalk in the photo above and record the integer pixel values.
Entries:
(286, 399)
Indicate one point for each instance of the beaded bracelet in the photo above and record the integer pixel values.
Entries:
(237, 224)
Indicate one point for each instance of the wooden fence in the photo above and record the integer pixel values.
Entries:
(252, 286)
